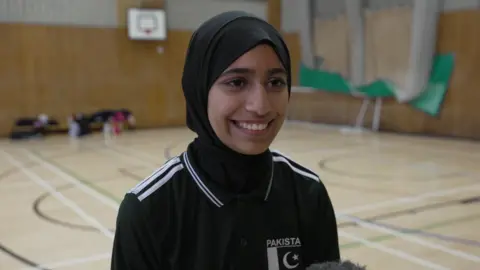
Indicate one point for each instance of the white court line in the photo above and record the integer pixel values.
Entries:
(409, 237)
(320, 126)
(392, 251)
(335, 150)
(72, 262)
(138, 154)
(130, 158)
(413, 239)
(373, 206)
(59, 196)
(408, 199)
(315, 127)
(72, 180)
(383, 204)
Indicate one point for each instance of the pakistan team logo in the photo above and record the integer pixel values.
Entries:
(283, 253)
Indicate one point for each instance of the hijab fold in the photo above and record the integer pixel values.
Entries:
(214, 46)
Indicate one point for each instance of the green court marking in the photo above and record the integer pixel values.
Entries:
(76, 176)
(386, 237)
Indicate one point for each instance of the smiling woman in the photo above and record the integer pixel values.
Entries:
(228, 202)
(247, 104)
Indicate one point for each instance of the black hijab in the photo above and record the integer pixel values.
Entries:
(214, 46)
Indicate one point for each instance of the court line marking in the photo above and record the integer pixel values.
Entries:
(407, 199)
(73, 180)
(411, 238)
(391, 251)
(59, 196)
(18, 258)
(118, 154)
(436, 225)
(130, 157)
(422, 242)
(401, 200)
(73, 262)
(388, 135)
(137, 154)
(415, 239)
(67, 172)
(442, 237)
(397, 201)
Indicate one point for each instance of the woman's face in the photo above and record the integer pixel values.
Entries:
(248, 102)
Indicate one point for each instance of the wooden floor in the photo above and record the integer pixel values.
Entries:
(402, 202)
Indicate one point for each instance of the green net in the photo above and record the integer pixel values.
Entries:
(429, 101)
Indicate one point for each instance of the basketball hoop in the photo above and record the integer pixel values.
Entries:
(147, 23)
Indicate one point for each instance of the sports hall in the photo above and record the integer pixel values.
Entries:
(383, 109)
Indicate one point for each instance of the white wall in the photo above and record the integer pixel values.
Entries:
(291, 12)
(451, 5)
(101, 13)
(182, 14)
(325, 9)
(189, 14)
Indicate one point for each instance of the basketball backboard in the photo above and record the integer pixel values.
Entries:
(147, 24)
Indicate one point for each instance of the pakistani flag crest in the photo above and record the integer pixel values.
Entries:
(284, 253)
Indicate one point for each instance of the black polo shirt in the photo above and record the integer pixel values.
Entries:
(177, 219)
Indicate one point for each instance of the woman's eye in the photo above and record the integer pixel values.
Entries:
(237, 83)
(277, 83)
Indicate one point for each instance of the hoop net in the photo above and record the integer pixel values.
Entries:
(147, 24)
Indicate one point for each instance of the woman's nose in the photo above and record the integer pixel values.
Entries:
(258, 100)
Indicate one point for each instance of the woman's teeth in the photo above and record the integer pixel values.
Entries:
(252, 126)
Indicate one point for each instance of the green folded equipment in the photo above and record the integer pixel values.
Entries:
(431, 98)
(324, 80)
(429, 101)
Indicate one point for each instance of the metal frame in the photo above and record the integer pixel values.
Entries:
(377, 112)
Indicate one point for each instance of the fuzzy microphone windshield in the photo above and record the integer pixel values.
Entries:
(342, 265)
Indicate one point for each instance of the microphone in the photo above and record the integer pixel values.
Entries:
(341, 265)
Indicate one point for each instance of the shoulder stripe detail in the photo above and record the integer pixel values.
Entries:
(161, 182)
(301, 171)
(292, 162)
(304, 173)
(199, 182)
(151, 178)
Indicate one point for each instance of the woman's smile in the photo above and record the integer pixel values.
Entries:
(253, 128)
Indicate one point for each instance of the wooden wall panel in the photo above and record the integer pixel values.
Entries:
(294, 46)
(274, 13)
(458, 33)
(387, 38)
(122, 7)
(63, 70)
(387, 44)
(331, 43)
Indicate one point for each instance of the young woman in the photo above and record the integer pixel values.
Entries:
(228, 202)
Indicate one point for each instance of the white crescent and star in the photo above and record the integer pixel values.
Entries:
(285, 262)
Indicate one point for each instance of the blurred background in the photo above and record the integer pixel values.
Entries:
(367, 75)
(62, 56)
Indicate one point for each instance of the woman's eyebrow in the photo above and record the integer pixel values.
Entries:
(271, 71)
(239, 71)
(275, 71)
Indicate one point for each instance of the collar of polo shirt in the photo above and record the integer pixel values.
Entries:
(217, 194)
